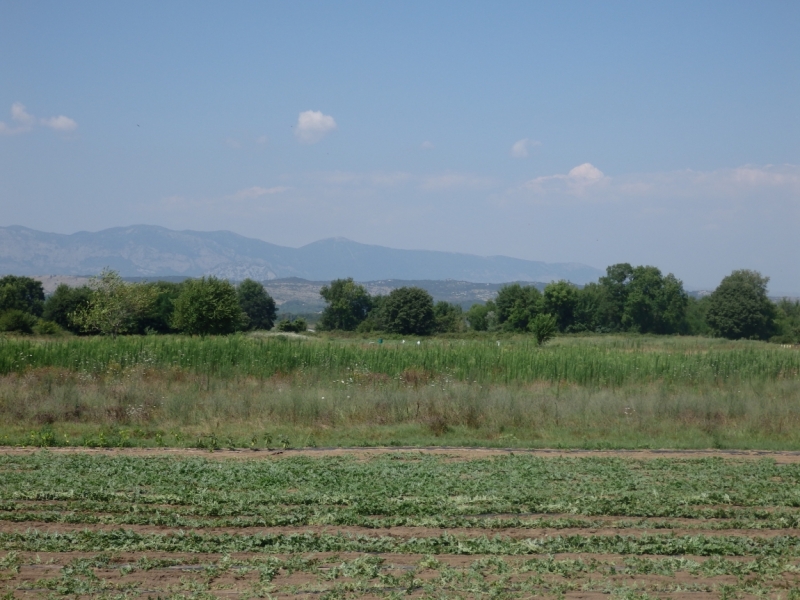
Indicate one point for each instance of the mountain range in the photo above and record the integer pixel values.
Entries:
(150, 251)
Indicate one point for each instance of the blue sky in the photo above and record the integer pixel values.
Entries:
(597, 132)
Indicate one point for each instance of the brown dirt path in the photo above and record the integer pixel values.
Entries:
(460, 453)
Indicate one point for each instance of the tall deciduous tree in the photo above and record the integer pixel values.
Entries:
(208, 306)
(65, 302)
(257, 304)
(348, 305)
(114, 306)
(21, 293)
(517, 306)
(561, 301)
(740, 307)
(409, 310)
(654, 303)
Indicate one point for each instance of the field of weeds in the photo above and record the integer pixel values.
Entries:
(397, 525)
(274, 392)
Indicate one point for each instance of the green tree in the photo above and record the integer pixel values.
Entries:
(654, 303)
(348, 305)
(114, 306)
(257, 304)
(293, 326)
(588, 314)
(561, 301)
(788, 321)
(482, 317)
(65, 302)
(21, 293)
(409, 310)
(449, 317)
(696, 310)
(158, 317)
(17, 321)
(614, 286)
(517, 306)
(208, 306)
(543, 327)
(739, 307)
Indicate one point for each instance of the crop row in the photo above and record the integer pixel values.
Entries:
(474, 360)
(407, 485)
(123, 540)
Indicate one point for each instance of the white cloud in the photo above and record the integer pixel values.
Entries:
(262, 139)
(60, 123)
(520, 147)
(748, 181)
(257, 192)
(575, 182)
(21, 116)
(25, 121)
(312, 126)
(426, 145)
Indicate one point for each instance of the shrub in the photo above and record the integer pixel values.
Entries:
(17, 321)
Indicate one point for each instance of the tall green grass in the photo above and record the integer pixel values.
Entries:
(595, 362)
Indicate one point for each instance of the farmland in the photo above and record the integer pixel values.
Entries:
(257, 391)
(397, 524)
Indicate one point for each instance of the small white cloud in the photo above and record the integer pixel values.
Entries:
(312, 126)
(21, 116)
(575, 182)
(257, 192)
(233, 143)
(23, 119)
(60, 123)
(426, 145)
(520, 147)
(586, 173)
(261, 140)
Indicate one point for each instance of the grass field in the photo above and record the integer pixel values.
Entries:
(397, 525)
(275, 391)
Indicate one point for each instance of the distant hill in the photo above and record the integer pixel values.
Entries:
(149, 251)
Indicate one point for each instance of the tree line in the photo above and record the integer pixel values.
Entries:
(626, 299)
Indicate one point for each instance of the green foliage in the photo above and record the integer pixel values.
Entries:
(21, 293)
(517, 306)
(449, 317)
(739, 307)
(114, 306)
(614, 286)
(654, 303)
(409, 311)
(561, 301)
(348, 305)
(208, 306)
(696, 323)
(157, 318)
(592, 362)
(17, 321)
(43, 327)
(297, 325)
(543, 327)
(788, 321)
(65, 302)
(257, 304)
(482, 317)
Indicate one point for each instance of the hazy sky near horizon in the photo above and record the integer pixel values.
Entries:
(597, 132)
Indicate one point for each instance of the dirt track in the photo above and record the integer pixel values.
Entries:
(780, 457)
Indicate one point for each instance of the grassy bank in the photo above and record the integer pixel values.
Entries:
(259, 392)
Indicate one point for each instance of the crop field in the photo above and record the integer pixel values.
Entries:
(276, 391)
(402, 524)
